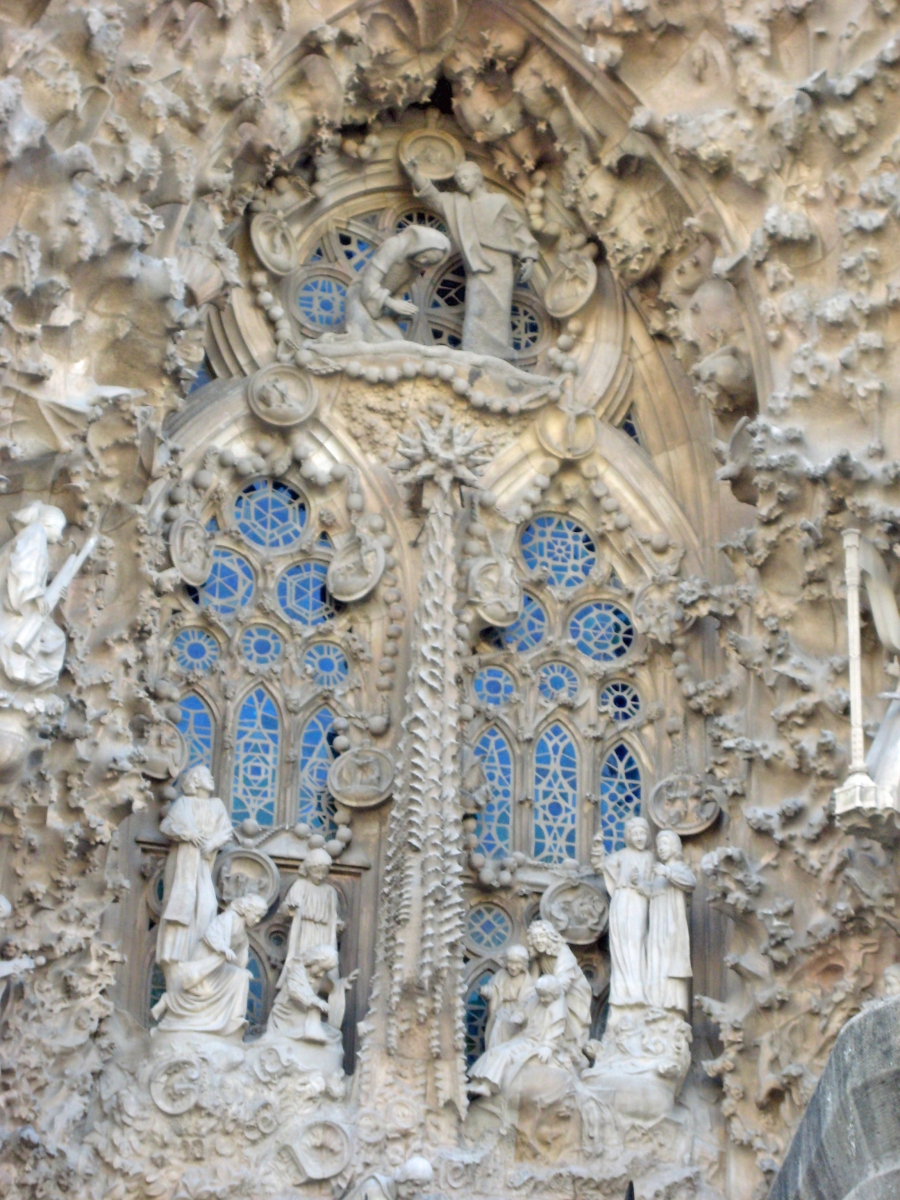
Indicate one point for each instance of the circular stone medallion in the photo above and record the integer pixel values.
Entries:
(281, 395)
(165, 752)
(566, 435)
(569, 289)
(437, 154)
(323, 1149)
(246, 872)
(175, 1086)
(496, 590)
(577, 910)
(361, 778)
(273, 243)
(355, 570)
(686, 804)
(191, 550)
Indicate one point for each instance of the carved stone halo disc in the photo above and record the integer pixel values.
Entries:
(685, 804)
(361, 778)
(437, 154)
(323, 1149)
(565, 435)
(246, 872)
(191, 550)
(566, 292)
(577, 910)
(282, 395)
(355, 570)
(273, 243)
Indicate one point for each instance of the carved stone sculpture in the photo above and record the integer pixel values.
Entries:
(668, 942)
(627, 873)
(314, 908)
(508, 996)
(374, 296)
(543, 1038)
(309, 1007)
(553, 957)
(405, 1184)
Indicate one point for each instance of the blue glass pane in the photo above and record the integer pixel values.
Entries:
(620, 795)
(256, 747)
(256, 1015)
(320, 301)
(476, 1018)
(229, 586)
(555, 795)
(303, 596)
(196, 726)
(195, 650)
(315, 805)
(202, 378)
(261, 646)
(494, 820)
(493, 685)
(620, 700)
(629, 426)
(451, 289)
(559, 549)
(156, 986)
(557, 681)
(355, 249)
(269, 513)
(526, 327)
(488, 927)
(327, 664)
(526, 632)
(602, 631)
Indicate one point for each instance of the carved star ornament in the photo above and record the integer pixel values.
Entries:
(442, 454)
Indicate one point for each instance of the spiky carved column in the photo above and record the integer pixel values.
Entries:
(417, 1004)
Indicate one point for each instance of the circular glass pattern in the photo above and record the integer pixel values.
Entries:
(261, 646)
(302, 594)
(488, 927)
(558, 548)
(493, 685)
(320, 301)
(528, 629)
(356, 250)
(195, 650)
(270, 514)
(620, 700)
(601, 631)
(327, 664)
(229, 586)
(557, 681)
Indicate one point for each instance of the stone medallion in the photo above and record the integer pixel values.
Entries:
(686, 804)
(244, 872)
(496, 590)
(355, 570)
(191, 550)
(175, 1086)
(577, 909)
(570, 287)
(273, 243)
(361, 778)
(436, 154)
(164, 751)
(566, 434)
(323, 1149)
(281, 395)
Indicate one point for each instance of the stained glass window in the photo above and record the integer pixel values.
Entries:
(229, 586)
(476, 1018)
(320, 301)
(315, 806)
(557, 681)
(526, 632)
(302, 593)
(256, 1012)
(620, 700)
(157, 987)
(195, 649)
(494, 686)
(355, 249)
(420, 216)
(256, 750)
(620, 795)
(261, 646)
(494, 819)
(327, 664)
(270, 514)
(555, 795)
(451, 289)
(559, 549)
(629, 426)
(196, 727)
(488, 927)
(526, 327)
(601, 630)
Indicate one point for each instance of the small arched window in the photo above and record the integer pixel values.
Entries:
(620, 795)
(256, 751)
(495, 818)
(555, 795)
(315, 806)
(196, 727)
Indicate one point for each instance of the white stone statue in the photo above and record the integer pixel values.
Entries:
(199, 825)
(308, 995)
(314, 906)
(405, 1184)
(627, 874)
(391, 269)
(207, 993)
(553, 957)
(668, 940)
(494, 240)
(508, 996)
(32, 646)
(543, 1038)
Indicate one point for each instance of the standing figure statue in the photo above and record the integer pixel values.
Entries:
(391, 269)
(314, 905)
(554, 957)
(496, 246)
(508, 995)
(628, 873)
(668, 941)
(199, 825)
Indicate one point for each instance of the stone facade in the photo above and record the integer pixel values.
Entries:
(448, 626)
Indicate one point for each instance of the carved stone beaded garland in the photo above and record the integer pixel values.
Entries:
(448, 624)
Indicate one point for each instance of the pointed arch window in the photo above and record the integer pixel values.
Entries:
(256, 751)
(620, 795)
(315, 806)
(494, 820)
(196, 727)
(555, 795)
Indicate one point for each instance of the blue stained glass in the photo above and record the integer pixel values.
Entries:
(302, 594)
(261, 646)
(629, 426)
(256, 1015)
(494, 686)
(476, 1018)
(270, 514)
(195, 649)
(256, 759)
(229, 586)
(555, 795)
(202, 378)
(557, 681)
(420, 216)
(315, 805)
(156, 986)
(488, 927)
(559, 549)
(620, 795)
(602, 631)
(196, 727)
(526, 327)
(494, 820)
(451, 289)
(320, 301)
(355, 249)
(620, 700)
(327, 663)
(526, 632)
